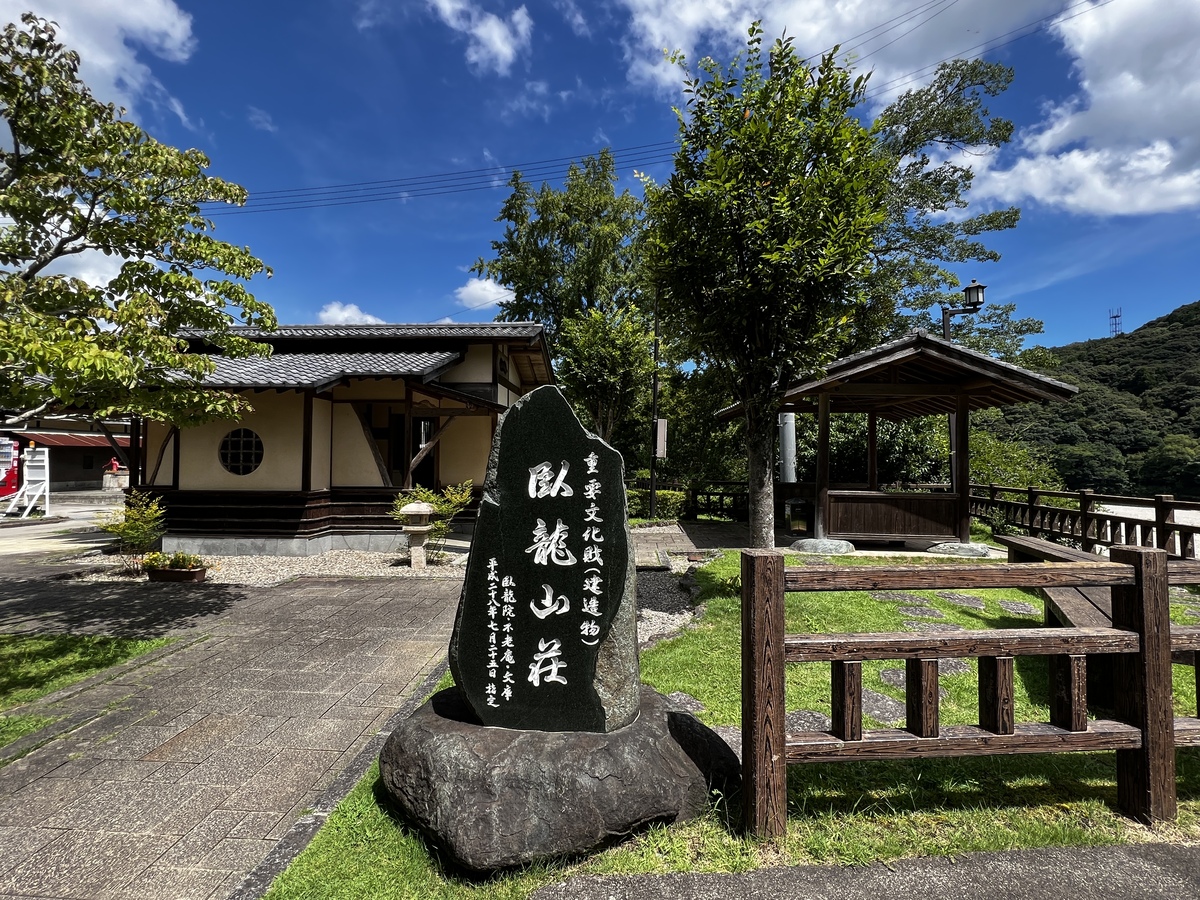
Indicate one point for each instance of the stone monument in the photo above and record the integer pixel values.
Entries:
(546, 631)
(548, 745)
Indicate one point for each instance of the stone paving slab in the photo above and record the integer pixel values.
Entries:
(190, 767)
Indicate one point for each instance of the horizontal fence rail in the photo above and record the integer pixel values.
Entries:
(1143, 730)
(1085, 517)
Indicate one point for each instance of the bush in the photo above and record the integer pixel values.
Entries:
(176, 560)
(137, 527)
(668, 504)
(453, 499)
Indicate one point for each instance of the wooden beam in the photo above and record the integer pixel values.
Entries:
(872, 452)
(821, 507)
(306, 447)
(764, 740)
(384, 475)
(950, 576)
(962, 467)
(426, 450)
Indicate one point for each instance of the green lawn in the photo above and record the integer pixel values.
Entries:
(32, 666)
(847, 813)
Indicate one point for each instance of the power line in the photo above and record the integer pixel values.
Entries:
(487, 178)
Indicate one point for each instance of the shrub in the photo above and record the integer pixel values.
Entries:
(176, 560)
(668, 504)
(137, 527)
(453, 499)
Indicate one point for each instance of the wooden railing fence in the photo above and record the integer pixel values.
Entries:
(1144, 731)
(1081, 516)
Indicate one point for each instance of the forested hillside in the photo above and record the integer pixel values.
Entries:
(1134, 428)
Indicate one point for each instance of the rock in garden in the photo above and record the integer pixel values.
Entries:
(924, 612)
(898, 678)
(545, 636)
(954, 548)
(882, 708)
(934, 627)
(806, 720)
(824, 546)
(1019, 608)
(490, 798)
(961, 599)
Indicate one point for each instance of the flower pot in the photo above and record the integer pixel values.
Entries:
(176, 574)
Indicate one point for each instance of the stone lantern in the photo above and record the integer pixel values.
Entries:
(417, 529)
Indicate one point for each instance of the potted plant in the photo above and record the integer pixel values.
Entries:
(177, 566)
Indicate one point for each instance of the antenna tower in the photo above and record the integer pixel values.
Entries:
(1114, 323)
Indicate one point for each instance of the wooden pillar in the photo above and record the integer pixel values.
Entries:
(821, 506)
(872, 453)
(962, 466)
(996, 694)
(1164, 518)
(1145, 776)
(136, 445)
(1087, 525)
(921, 697)
(306, 451)
(764, 763)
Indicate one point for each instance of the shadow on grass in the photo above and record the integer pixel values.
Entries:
(29, 662)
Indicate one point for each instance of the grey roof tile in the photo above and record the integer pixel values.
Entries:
(312, 370)
(443, 330)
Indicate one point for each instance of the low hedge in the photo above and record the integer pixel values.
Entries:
(668, 505)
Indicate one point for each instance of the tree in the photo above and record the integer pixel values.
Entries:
(76, 177)
(920, 132)
(764, 229)
(606, 365)
(566, 252)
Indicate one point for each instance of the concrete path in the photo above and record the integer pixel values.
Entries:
(184, 771)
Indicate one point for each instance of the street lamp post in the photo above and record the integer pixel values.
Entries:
(972, 303)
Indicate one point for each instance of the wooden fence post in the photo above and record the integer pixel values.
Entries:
(1086, 538)
(764, 763)
(1146, 776)
(1164, 517)
(1031, 495)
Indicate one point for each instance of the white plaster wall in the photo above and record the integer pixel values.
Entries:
(278, 419)
(475, 367)
(158, 432)
(463, 450)
(371, 390)
(322, 450)
(352, 464)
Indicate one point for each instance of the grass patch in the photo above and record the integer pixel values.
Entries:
(838, 813)
(32, 666)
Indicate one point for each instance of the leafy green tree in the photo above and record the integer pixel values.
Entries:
(921, 132)
(606, 365)
(764, 228)
(76, 177)
(566, 252)
(1172, 467)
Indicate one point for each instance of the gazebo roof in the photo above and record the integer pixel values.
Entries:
(922, 375)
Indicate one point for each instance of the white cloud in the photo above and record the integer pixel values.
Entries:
(479, 293)
(108, 35)
(574, 17)
(1127, 142)
(534, 100)
(261, 119)
(91, 266)
(493, 42)
(337, 313)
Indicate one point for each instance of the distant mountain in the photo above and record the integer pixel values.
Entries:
(1134, 427)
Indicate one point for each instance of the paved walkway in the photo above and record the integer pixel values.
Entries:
(186, 770)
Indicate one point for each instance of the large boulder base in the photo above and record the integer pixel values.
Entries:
(492, 798)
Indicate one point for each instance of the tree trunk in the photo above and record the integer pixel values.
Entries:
(760, 447)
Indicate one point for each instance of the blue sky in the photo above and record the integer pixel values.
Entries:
(310, 94)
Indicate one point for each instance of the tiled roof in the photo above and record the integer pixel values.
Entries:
(317, 370)
(447, 330)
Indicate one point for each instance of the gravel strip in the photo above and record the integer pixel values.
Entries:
(267, 570)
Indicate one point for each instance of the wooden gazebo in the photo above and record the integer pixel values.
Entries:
(917, 375)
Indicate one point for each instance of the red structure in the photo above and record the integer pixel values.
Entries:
(10, 458)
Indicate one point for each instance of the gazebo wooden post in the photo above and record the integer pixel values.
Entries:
(962, 466)
(821, 507)
(872, 453)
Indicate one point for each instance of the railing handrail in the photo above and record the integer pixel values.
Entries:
(1144, 729)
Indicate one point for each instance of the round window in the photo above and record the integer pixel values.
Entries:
(241, 451)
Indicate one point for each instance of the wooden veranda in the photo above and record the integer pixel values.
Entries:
(917, 375)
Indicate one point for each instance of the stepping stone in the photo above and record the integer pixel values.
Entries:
(898, 678)
(684, 702)
(823, 547)
(961, 599)
(731, 735)
(882, 708)
(1016, 607)
(897, 597)
(807, 720)
(914, 625)
(926, 612)
(954, 667)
